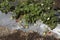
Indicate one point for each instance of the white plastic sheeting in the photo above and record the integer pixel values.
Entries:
(39, 27)
(6, 21)
(56, 31)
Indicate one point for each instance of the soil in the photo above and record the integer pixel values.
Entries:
(20, 35)
(4, 31)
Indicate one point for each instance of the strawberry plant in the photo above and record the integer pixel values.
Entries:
(32, 10)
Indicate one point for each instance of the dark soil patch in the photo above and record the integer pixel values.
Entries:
(20, 35)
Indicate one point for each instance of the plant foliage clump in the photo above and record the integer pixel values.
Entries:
(31, 10)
